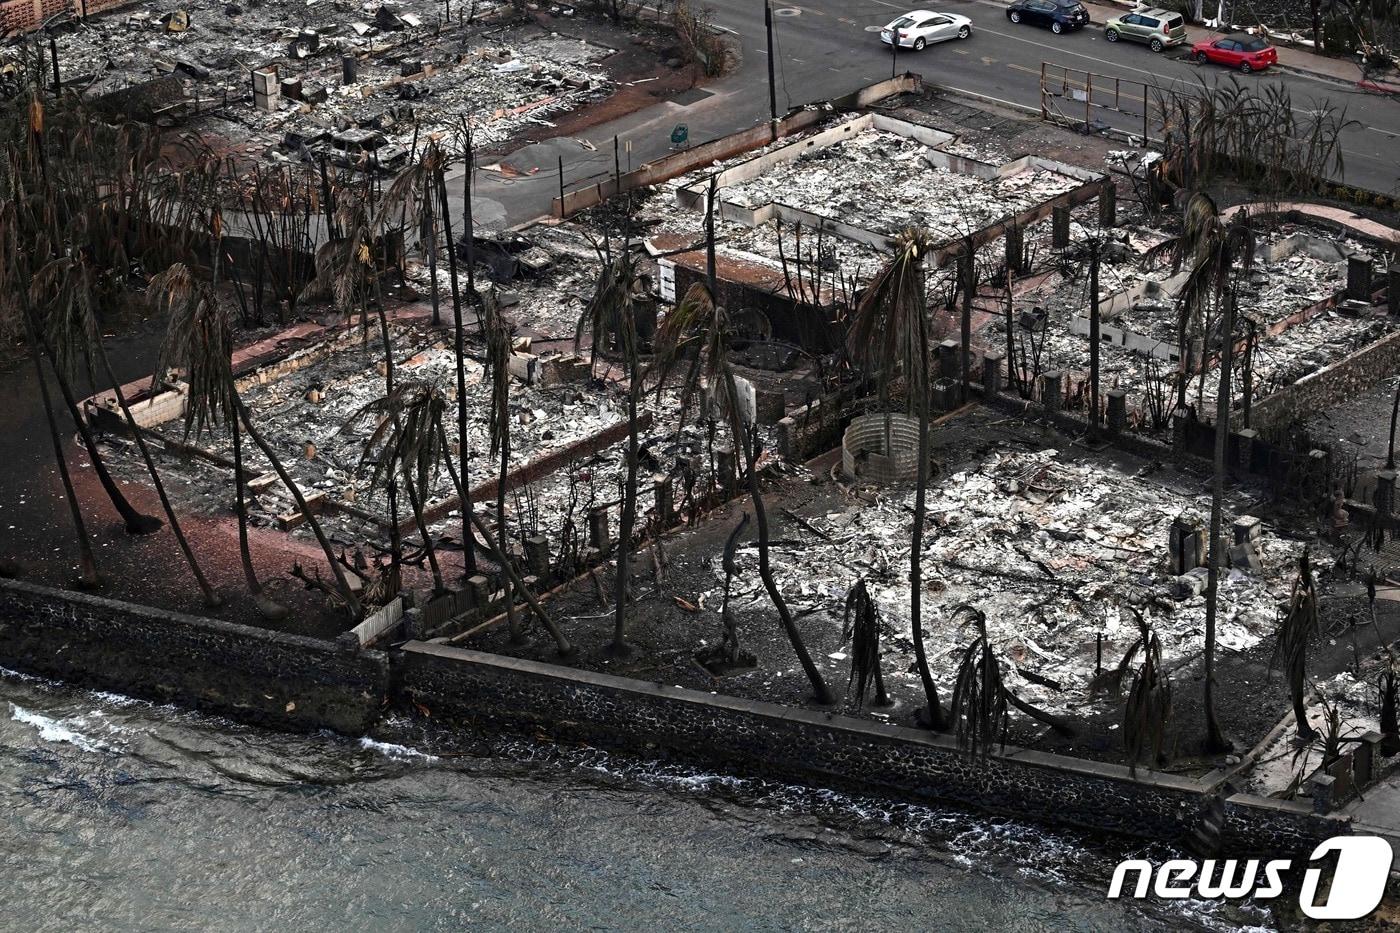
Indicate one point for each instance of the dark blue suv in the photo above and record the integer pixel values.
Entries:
(1059, 15)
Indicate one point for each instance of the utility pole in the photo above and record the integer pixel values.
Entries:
(772, 84)
(1094, 245)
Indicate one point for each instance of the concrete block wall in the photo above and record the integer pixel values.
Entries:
(834, 750)
(251, 674)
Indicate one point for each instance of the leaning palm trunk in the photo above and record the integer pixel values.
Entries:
(916, 553)
(137, 523)
(1215, 739)
(352, 602)
(459, 350)
(561, 642)
(87, 563)
(765, 569)
(211, 598)
(267, 607)
(619, 645)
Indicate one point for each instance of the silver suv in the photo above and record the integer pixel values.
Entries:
(1160, 29)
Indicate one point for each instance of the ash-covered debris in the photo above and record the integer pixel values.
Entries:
(1052, 550)
(396, 69)
(881, 181)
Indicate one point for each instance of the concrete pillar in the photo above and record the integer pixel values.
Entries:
(726, 465)
(537, 555)
(1108, 204)
(665, 510)
(991, 374)
(1186, 546)
(1117, 411)
(944, 394)
(1181, 425)
(1246, 530)
(1385, 494)
(948, 352)
(1366, 757)
(479, 590)
(1359, 278)
(1051, 387)
(1321, 788)
(1244, 449)
(1015, 249)
(771, 405)
(598, 529)
(1059, 227)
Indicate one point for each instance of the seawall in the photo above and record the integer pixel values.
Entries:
(293, 682)
(251, 674)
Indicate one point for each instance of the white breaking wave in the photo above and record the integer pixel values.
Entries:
(54, 730)
(390, 750)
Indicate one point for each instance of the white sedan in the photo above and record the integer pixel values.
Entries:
(925, 27)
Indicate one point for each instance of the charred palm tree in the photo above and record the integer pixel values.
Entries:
(1232, 255)
(610, 317)
(71, 325)
(861, 627)
(1203, 248)
(1148, 710)
(889, 333)
(981, 697)
(1296, 629)
(15, 281)
(700, 325)
(198, 338)
(980, 707)
(499, 339)
(404, 444)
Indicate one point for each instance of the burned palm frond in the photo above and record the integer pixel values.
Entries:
(1148, 711)
(609, 315)
(979, 708)
(404, 432)
(729, 654)
(199, 340)
(1296, 628)
(861, 627)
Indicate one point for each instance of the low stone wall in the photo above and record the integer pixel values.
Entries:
(283, 681)
(834, 750)
(1346, 379)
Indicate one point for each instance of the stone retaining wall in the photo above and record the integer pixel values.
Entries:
(283, 681)
(813, 746)
(1346, 379)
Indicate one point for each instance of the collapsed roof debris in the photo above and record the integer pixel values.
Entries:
(1051, 548)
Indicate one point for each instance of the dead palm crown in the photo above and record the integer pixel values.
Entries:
(889, 335)
(1148, 710)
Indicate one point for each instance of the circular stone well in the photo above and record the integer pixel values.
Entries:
(863, 453)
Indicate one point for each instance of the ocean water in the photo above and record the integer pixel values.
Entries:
(120, 814)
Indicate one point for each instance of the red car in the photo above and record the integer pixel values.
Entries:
(1245, 52)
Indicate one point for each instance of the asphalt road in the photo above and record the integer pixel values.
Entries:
(825, 48)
